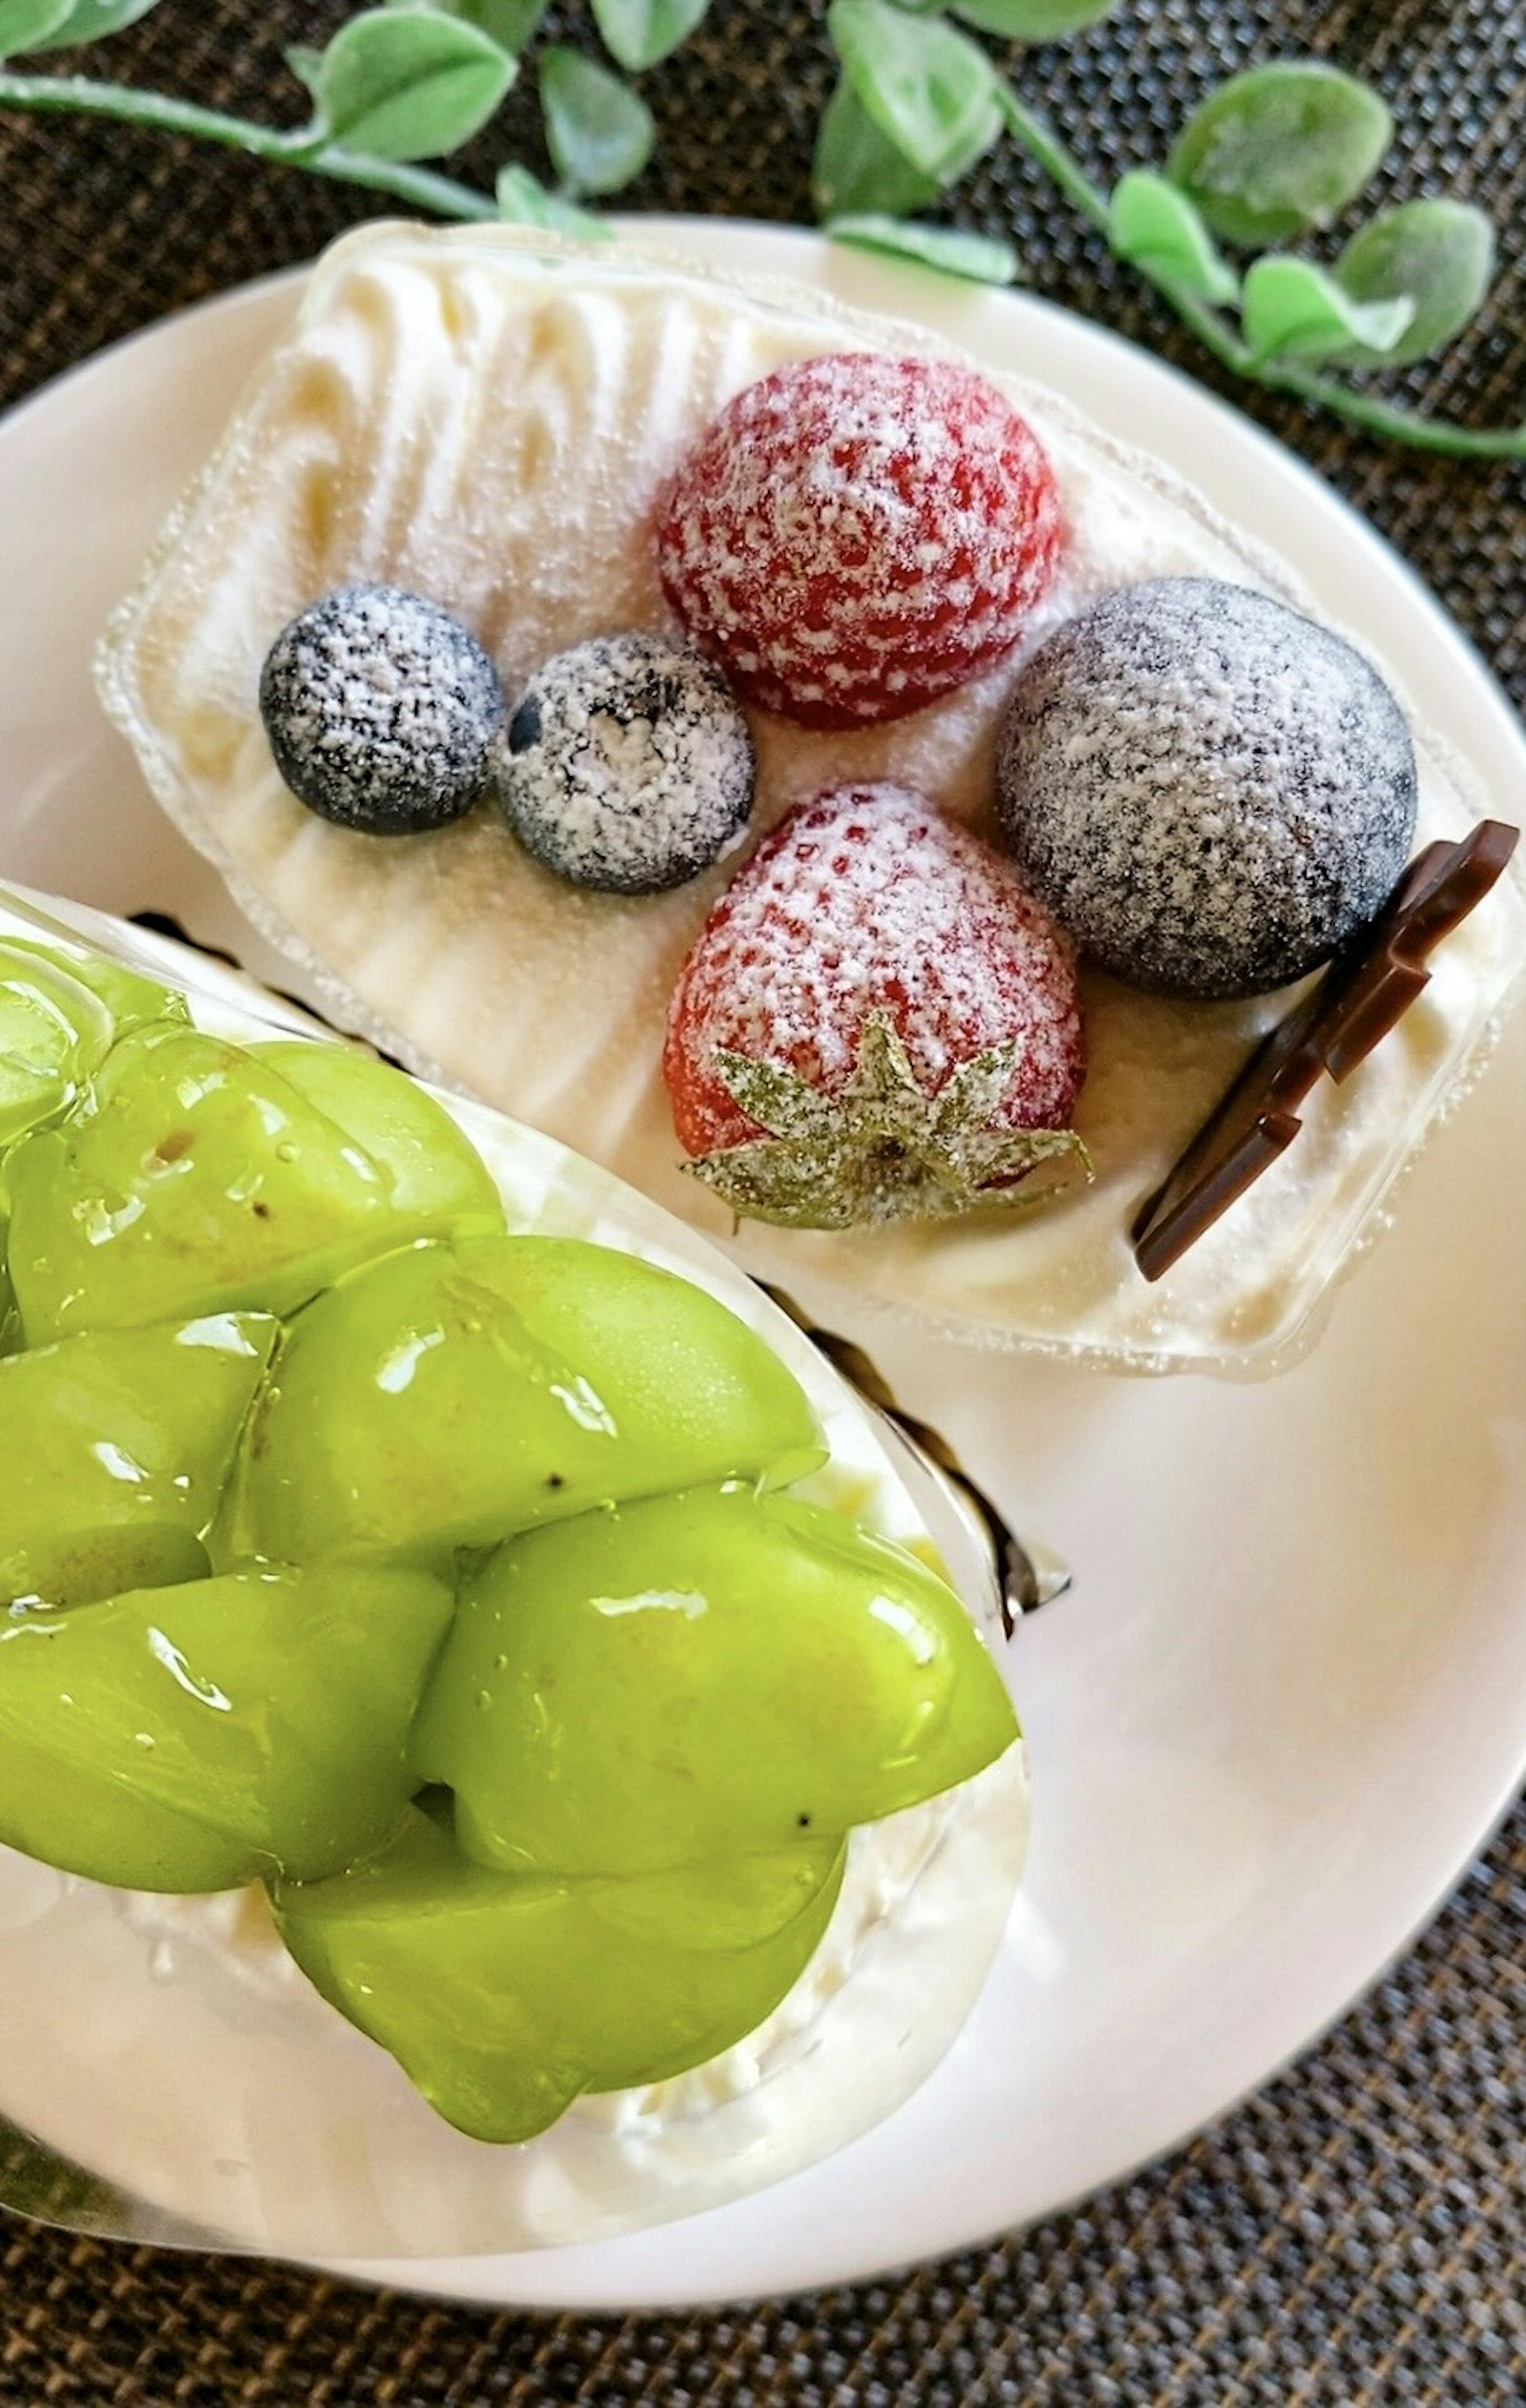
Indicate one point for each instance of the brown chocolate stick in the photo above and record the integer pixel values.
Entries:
(1369, 985)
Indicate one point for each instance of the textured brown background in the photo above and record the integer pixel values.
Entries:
(1352, 2239)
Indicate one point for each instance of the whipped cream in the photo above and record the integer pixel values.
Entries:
(185, 2059)
(489, 419)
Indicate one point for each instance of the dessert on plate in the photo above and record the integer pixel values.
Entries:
(448, 1594)
(548, 614)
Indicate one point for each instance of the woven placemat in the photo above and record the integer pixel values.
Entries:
(108, 226)
(1354, 2237)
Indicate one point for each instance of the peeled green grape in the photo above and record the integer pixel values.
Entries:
(39, 1046)
(196, 1175)
(54, 1031)
(439, 1180)
(60, 1010)
(504, 1998)
(126, 1437)
(10, 1320)
(728, 1903)
(453, 1394)
(697, 1675)
(131, 1000)
(193, 1737)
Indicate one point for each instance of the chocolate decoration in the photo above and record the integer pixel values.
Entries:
(1027, 1577)
(1366, 989)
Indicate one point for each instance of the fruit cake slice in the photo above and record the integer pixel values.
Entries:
(710, 1680)
(580, 455)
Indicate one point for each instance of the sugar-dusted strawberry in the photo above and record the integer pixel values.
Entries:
(858, 534)
(876, 1023)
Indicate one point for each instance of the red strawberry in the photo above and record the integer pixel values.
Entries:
(856, 534)
(876, 1023)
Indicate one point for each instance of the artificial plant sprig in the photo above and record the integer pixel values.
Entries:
(1269, 350)
(1271, 154)
(395, 86)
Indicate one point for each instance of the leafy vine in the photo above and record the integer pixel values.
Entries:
(1275, 153)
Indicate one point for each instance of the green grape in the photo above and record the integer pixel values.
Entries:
(10, 1320)
(40, 1044)
(130, 999)
(504, 1998)
(728, 1903)
(658, 1717)
(453, 1394)
(196, 1175)
(678, 1679)
(438, 1179)
(60, 1009)
(193, 1737)
(127, 1436)
(54, 1031)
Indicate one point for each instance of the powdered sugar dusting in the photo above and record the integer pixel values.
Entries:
(382, 709)
(1208, 790)
(866, 901)
(629, 766)
(858, 534)
(552, 394)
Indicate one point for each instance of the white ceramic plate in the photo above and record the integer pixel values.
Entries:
(1288, 1696)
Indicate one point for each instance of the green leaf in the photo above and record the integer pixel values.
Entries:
(931, 91)
(1032, 20)
(406, 84)
(827, 1165)
(599, 131)
(980, 259)
(1156, 227)
(1279, 149)
(524, 200)
(509, 22)
(857, 168)
(306, 63)
(1438, 254)
(1291, 309)
(638, 33)
(27, 24)
(91, 21)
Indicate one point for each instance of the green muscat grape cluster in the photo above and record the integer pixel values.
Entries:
(440, 1578)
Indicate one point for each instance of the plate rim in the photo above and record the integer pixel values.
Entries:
(801, 252)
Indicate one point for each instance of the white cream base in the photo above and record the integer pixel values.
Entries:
(184, 2058)
(489, 418)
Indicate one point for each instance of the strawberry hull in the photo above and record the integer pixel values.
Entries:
(877, 1024)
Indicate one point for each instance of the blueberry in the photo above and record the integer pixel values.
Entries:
(629, 766)
(384, 712)
(1209, 791)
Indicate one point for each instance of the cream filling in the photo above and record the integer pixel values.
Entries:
(489, 419)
